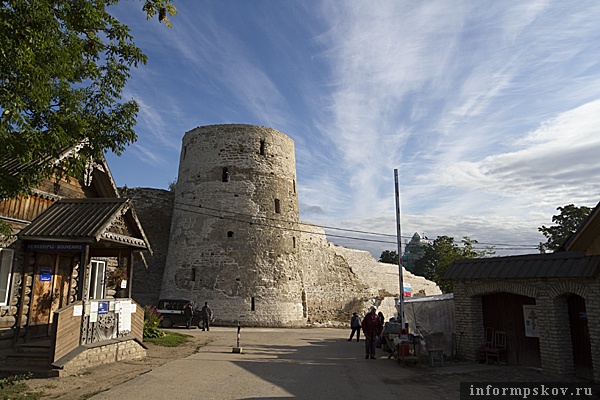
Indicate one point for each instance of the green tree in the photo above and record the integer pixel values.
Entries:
(439, 255)
(63, 66)
(389, 257)
(567, 222)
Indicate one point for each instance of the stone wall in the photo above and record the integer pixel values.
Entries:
(105, 354)
(333, 281)
(339, 281)
(154, 208)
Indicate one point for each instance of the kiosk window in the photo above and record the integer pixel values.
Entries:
(6, 262)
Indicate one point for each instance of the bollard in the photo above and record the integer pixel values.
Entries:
(238, 349)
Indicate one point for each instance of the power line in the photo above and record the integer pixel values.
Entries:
(475, 245)
(298, 222)
(497, 246)
(280, 227)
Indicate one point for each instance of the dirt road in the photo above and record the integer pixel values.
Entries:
(313, 363)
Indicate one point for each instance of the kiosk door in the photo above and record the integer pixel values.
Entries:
(50, 291)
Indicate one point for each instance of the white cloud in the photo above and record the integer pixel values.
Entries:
(489, 110)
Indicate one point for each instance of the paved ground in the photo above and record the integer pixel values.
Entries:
(304, 364)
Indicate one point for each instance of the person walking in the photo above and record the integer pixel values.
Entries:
(188, 313)
(206, 316)
(355, 324)
(371, 327)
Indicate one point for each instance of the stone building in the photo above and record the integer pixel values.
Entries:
(236, 239)
(547, 304)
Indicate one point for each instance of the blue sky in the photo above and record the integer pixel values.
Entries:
(489, 110)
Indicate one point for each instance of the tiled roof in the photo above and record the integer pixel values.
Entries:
(82, 220)
(551, 265)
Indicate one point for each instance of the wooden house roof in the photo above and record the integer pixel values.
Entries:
(88, 221)
(11, 168)
(550, 265)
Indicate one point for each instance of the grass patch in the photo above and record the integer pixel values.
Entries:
(19, 391)
(171, 339)
(14, 388)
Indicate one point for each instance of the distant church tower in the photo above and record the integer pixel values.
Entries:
(234, 234)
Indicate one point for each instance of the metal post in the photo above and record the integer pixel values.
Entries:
(238, 349)
(399, 240)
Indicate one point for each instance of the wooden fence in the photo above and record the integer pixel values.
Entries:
(73, 327)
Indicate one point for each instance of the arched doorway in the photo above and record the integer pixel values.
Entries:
(580, 337)
(504, 312)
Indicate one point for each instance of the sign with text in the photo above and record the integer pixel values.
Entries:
(103, 307)
(45, 275)
(55, 247)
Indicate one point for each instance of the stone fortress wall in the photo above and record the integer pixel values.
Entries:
(236, 240)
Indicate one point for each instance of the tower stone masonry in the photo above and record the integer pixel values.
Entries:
(234, 238)
(230, 235)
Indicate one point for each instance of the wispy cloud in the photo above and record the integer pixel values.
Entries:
(489, 110)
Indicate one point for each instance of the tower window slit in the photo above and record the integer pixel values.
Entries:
(277, 206)
(262, 147)
(252, 305)
(225, 174)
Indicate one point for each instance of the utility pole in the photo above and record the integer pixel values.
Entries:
(399, 240)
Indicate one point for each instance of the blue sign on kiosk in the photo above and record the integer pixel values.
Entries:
(45, 275)
(102, 307)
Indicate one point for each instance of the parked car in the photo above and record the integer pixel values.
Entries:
(171, 311)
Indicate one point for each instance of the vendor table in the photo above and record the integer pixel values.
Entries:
(401, 342)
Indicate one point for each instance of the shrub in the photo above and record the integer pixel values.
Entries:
(151, 320)
(114, 277)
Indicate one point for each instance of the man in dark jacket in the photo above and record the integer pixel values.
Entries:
(355, 324)
(188, 313)
(206, 316)
(372, 328)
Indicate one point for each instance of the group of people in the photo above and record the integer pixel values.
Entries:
(205, 313)
(371, 326)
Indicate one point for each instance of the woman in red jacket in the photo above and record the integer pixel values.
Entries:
(372, 327)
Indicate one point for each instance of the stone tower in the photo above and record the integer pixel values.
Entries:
(234, 233)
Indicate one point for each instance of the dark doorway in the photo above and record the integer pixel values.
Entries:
(580, 337)
(504, 312)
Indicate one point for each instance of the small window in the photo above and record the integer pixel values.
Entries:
(96, 281)
(277, 206)
(230, 234)
(193, 274)
(6, 262)
(294, 242)
(252, 305)
(225, 174)
(294, 186)
(262, 147)
(184, 151)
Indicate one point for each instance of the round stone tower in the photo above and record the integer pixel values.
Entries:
(234, 239)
